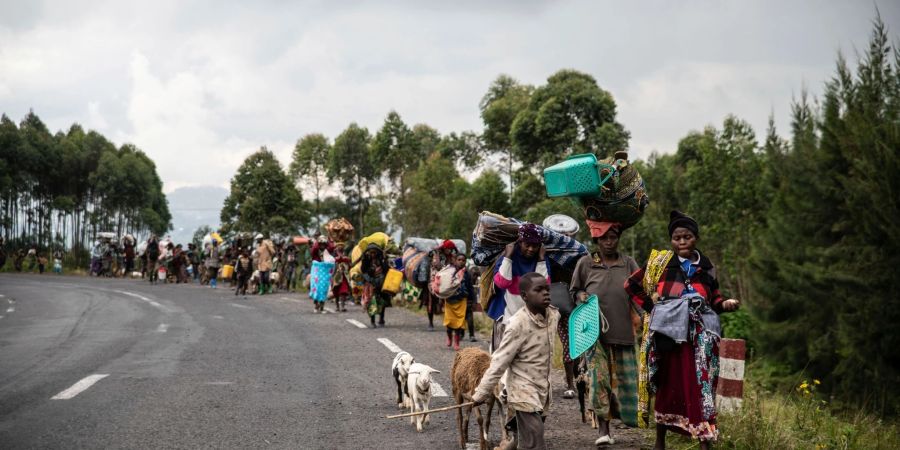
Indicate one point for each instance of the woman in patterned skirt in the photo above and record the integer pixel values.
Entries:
(611, 363)
(682, 345)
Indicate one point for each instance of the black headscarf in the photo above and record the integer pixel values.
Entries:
(678, 219)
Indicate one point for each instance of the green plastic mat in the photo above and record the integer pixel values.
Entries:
(584, 326)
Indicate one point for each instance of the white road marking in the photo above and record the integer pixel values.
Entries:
(472, 446)
(390, 345)
(150, 301)
(238, 305)
(437, 390)
(218, 317)
(162, 328)
(329, 310)
(80, 386)
(1, 317)
(10, 309)
(357, 323)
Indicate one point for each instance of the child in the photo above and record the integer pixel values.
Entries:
(455, 309)
(42, 263)
(244, 268)
(340, 279)
(525, 351)
(471, 302)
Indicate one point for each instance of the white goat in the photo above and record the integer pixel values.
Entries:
(400, 371)
(419, 386)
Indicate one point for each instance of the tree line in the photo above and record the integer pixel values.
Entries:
(804, 229)
(59, 190)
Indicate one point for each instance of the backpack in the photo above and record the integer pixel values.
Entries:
(446, 282)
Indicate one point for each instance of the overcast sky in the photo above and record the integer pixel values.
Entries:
(198, 85)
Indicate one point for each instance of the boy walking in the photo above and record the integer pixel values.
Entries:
(525, 351)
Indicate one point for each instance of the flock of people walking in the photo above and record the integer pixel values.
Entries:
(657, 331)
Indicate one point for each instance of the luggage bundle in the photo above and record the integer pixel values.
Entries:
(417, 264)
(608, 190)
(493, 232)
(320, 280)
(339, 230)
(446, 282)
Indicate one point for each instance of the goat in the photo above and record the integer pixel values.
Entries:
(253, 283)
(419, 385)
(274, 279)
(400, 371)
(469, 366)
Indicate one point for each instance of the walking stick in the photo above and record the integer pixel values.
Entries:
(447, 408)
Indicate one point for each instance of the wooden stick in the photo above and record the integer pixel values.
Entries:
(448, 408)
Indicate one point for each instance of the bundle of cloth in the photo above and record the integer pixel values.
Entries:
(493, 232)
(339, 230)
(379, 239)
(416, 262)
(622, 199)
(209, 237)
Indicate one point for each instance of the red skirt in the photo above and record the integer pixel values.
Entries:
(341, 289)
(679, 399)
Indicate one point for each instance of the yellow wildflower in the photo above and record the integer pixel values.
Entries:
(816, 382)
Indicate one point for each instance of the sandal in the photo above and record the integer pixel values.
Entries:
(569, 393)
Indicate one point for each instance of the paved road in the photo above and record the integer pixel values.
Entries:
(100, 363)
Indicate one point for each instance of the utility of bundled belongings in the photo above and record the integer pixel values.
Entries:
(338, 231)
(417, 264)
(610, 190)
(493, 232)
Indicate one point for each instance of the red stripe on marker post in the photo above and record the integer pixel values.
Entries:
(730, 388)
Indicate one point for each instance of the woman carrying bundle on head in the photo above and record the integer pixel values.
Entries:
(340, 279)
(612, 362)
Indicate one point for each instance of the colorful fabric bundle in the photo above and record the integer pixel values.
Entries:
(320, 280)
(409, 293)
(339, 230)
(493, 232)
(623, 199)
(656, 264)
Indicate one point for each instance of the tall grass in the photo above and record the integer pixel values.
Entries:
(799, 419)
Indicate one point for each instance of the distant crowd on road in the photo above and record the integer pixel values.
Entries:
(31, 259)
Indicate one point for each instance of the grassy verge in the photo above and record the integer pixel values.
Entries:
(800, 419)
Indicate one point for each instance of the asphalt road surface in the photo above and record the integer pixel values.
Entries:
(102, 363)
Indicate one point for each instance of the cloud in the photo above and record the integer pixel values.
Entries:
(199, 85)
(662, 107)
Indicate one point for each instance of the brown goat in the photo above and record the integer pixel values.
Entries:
(469, 365)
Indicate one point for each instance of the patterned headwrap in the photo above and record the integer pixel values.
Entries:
(529, 234)
(447, 245)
